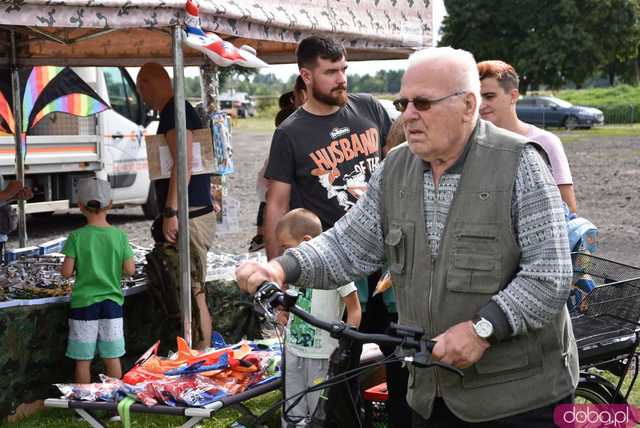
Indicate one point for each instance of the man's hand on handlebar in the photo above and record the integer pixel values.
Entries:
(250, 275)
(459, 346)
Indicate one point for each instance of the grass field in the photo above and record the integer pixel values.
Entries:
(599, 132)
(258, 124)
(264, 125)
(56, 418)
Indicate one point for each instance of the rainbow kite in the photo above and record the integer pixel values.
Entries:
(76, 104)
(5, 111)
(39, 78)
(46, 89)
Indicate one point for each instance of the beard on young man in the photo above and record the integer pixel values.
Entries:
(335, 97)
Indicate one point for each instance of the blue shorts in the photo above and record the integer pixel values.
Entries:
(98, 325)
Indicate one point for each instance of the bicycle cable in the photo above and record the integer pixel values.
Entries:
(269, 296)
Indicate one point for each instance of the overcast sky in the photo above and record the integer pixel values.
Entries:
(283, 71)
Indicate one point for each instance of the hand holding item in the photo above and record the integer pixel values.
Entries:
(459, 346)
(251, 275)
(24, 194)
(12, 189)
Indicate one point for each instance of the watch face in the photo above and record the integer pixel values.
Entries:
(483, 328)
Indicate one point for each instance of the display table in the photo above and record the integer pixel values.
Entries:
(33, 337)
(194, 414)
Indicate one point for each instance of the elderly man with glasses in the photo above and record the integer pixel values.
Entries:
(469, 221)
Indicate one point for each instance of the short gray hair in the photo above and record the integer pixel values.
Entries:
(468, 77)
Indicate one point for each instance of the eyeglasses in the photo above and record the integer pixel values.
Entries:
(421, 103)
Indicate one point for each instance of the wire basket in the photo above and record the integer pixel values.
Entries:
(610, 313)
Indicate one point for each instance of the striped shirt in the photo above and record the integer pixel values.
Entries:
(354, 247)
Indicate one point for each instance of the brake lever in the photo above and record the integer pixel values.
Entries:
(269, 296)
(262, 300)
(424, 359)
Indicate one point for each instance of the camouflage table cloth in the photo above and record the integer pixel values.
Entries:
(33, 339)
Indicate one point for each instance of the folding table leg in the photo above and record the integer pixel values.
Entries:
(193, 421)
(90, 418)
(247, 418)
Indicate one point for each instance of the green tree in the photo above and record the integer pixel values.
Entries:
(229, 76)
(392, 79)
(620, 21)
(547, 41)
(192, 87)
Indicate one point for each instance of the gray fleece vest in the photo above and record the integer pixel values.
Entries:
(478, 256)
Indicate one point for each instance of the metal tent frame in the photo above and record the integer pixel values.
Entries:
(118, 32)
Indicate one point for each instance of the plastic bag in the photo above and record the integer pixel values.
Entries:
(196, 391)
(105, 391)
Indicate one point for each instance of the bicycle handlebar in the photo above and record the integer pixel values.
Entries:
(269, 296)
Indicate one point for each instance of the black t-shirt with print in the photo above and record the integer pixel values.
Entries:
(200, 184)
(330, 158)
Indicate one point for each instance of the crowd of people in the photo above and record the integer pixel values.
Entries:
(458, 200)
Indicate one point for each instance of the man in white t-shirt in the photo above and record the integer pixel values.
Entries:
(499, 89)
(307, 348)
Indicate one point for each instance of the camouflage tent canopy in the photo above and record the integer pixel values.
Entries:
(121, 32)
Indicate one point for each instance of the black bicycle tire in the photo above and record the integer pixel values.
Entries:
(593, 393)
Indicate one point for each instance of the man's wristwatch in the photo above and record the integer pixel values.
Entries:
(169, 212)
(484, 329)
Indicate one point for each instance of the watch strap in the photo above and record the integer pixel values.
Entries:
(501, 327)
(492, 339)
(169, 212)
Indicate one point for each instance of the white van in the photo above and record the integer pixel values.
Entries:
(63, 148)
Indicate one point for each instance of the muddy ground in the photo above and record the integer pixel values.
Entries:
(606, 174)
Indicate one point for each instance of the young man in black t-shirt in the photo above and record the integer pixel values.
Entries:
(154, 85)
(328, 149)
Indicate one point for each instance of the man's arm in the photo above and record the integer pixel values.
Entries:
(354, 311)
(170, 225)
(278, 196)
(353, 248)
(540, 289)
(568, 196)
(12, 189)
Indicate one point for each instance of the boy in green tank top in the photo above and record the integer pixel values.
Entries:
(99, 254)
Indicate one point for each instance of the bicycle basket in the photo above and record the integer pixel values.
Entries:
(610, 313)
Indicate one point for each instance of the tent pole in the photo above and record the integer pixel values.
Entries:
(17, 114)
(183, 197)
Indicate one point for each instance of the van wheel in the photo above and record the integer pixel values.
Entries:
(150, 208)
